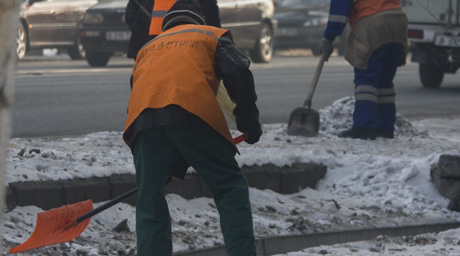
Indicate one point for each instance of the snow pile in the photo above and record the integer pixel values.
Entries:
(368, 184)
(339, 116)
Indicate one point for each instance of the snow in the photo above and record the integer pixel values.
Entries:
(381, 183)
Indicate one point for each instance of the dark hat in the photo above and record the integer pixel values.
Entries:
(183, 12)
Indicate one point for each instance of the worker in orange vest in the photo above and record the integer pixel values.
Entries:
(376, 46)
(173, 112)
(146, 24)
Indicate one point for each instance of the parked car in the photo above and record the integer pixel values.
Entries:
(21, 39)
(301, 24)
(252, 24)
(51, 24)
(103, 31)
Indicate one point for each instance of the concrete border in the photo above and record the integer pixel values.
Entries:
(284, 244)
(53, 194)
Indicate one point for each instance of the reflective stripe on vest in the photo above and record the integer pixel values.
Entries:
(363, 8)
(178, 68)
(160, 8)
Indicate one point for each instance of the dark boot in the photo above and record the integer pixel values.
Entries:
(358, 133)
(385, 134)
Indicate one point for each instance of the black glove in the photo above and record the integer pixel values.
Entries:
(326, 48)
(253, 134)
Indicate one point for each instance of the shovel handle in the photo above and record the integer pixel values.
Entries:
(319, 68)
(142, 8)
(240, 138)
(109, 204)
(130, 193)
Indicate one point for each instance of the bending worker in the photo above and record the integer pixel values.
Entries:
(376, 46)
(173, 113)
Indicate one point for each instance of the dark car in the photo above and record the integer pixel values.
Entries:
(301, 24)
(252, 25)
(51, 24)
(104, 31)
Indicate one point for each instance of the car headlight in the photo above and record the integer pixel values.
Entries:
(93, 18)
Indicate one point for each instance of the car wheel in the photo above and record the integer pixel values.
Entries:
(342, 45)
(76, 52)
(98, 59)
(21, 42)
(341, 48)
(263, 51)
(430, 75)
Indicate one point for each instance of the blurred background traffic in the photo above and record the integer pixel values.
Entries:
(96, 30)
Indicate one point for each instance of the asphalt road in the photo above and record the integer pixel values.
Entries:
(59, 97)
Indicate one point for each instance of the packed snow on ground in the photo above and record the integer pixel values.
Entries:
(381, 183)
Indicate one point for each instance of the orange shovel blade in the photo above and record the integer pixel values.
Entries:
(53, 226)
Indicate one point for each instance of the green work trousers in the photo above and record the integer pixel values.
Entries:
(155, 151)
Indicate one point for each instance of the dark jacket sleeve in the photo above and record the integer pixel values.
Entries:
(233, 66)
(339, 10)
(135, 17)
(210, 11)
(139, 24)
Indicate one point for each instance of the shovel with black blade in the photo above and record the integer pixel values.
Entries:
(304, 121)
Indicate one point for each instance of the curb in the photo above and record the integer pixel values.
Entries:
(53, 194)
(284, 244)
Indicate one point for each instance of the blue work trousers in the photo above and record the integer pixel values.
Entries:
(374, 90)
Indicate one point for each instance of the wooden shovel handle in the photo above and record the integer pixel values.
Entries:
(314, 82)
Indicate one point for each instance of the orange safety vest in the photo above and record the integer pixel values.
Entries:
(178, 68)
(363, 8)
(160, 8)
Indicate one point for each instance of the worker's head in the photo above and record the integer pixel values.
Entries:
(183, 12)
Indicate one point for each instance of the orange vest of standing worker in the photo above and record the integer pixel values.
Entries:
(160, 8)
(178, 68)
(363, 8)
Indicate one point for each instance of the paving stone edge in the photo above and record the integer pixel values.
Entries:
(56, 193)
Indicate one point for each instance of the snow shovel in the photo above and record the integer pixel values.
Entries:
(304, 121)
(63, 224)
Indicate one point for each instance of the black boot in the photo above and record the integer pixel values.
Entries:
(358, 133)
(385, 134)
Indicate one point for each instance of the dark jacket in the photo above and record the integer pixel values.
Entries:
(211, 12)
(139, 22)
